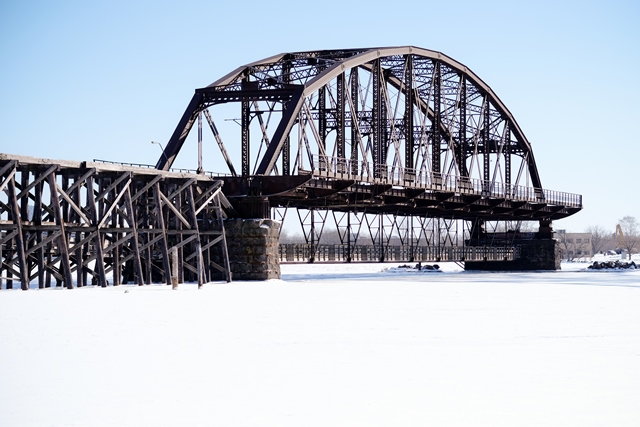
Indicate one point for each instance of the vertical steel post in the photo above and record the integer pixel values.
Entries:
(200, 142)
(286, 148)
(462, 129)
(507, 158)
(383, 122)
(435, 143)
(322, 117)
(410, 230)
(381, 236)
(348, 236)
(375, 119)
(408, 114)
(244, 124)
(486, 142)
(355, 123)
(340, 119)
(313, 236)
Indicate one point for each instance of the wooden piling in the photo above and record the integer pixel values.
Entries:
(174, 268)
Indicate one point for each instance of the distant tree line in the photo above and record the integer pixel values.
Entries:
(625, 237)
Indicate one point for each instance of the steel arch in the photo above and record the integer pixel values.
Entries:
(339, 62)
(414, 129)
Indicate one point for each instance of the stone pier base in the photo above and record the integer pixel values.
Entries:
(537, 254)
(253, 248)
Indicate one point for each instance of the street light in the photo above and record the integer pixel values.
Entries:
(161, 149)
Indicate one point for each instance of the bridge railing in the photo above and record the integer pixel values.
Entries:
(178, 170)
(302, 252)
(341, 168)
(562, 198)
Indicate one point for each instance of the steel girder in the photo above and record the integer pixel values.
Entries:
(406, 113)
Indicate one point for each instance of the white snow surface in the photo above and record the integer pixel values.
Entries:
(329, 345)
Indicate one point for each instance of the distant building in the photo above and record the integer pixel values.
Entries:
(574, 245)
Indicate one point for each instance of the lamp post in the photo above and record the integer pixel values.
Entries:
(161, 149)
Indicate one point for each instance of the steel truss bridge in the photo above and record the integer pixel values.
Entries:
(410, 152)
(396, 131)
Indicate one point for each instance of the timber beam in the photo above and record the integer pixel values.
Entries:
(81, 223)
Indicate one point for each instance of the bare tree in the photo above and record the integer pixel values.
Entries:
(580, 248)
(561, 235)
(567, 245)
(287, 236)
(631, 236)
(573, 245)
(598, 237)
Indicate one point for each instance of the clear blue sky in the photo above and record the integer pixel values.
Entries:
(101, 79)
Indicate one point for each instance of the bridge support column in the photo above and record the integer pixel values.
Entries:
(252, 240)
(536, 254)
(540, 253)
(253, 248)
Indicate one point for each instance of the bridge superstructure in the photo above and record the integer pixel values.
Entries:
(384, 137)
(396, 130)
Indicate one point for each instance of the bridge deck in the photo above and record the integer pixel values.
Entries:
(339, 184)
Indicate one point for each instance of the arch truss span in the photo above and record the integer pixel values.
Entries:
(346, 118)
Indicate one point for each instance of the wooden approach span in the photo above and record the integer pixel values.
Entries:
(72, 224)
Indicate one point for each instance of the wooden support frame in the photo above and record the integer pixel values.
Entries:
(100, 224)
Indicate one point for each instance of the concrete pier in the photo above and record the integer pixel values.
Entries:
(535, 254)
(253, 248)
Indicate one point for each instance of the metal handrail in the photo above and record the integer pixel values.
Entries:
(177, 170)
(361, 170)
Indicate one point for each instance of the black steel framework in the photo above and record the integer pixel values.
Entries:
(396, 130)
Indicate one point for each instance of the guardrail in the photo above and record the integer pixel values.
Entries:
(332, 167)
(339, 168)
(178, 170)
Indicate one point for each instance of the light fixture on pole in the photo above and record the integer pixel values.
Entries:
(161, 149)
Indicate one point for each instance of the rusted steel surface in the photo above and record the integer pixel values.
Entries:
(399, 130)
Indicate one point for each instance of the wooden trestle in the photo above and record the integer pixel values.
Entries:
(81, 223)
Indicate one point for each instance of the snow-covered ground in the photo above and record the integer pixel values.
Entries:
(329, 345)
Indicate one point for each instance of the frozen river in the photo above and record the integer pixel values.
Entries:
(329, 345)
